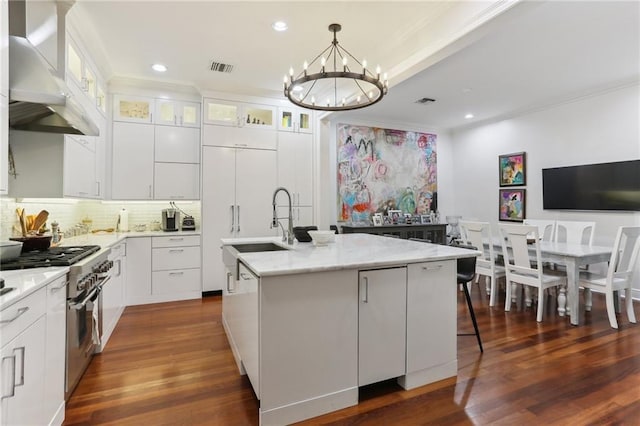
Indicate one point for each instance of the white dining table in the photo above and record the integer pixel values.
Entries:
(572, 256)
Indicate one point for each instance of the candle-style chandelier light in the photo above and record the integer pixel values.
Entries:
(335, 86)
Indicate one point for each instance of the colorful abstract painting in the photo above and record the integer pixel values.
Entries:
(512, 169)
(512, 205)
(383, 169)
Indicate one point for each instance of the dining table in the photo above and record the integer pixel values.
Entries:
(572, 256)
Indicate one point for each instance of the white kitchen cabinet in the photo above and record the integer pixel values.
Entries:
(138, 272)
(176, 181)
(113, 292)
(22, 361)
(236, 137)
(238, 186)
(177, 113)
(133, 165)
(4, 97)
(245, 325)
(136, 109)
(177, 144)
(53, 403)
(381, 324)
(295, 167)
(239, 114)
(83, 77)
(295, 120)
(431, 292)
(4, 48)
(80, 167)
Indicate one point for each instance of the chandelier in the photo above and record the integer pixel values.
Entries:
(335, 86)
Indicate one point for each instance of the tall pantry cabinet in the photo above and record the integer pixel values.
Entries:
(237, 188)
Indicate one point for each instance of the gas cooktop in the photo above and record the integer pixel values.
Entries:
(54, 256)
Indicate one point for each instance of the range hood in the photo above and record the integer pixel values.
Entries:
(39, 100)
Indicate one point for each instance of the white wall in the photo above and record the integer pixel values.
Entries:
(590, 130)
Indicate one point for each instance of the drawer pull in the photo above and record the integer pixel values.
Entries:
(176, 273)
(21, 349)
(12, 375)
(176, 251)
(431, 268)
(63, 285)
(19, 314)
(176, 239)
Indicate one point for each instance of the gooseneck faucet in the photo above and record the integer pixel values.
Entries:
(288, 236)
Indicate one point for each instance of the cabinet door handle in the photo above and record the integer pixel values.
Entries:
(233, 218)
(365, 293)
(22, 350)
(150, 195)
(98, 188)
(176, 273)
(431, 268)
(18, 315)
(119, 263)
(12, 375)
(238, 227)
(228, 283)
(150, 117)
(176, 251)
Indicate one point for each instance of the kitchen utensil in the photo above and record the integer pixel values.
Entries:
(302, 233)
(23, 226)
(40, 220)
(28, 221)
(10, 250)
(34, 242)
(322, 238)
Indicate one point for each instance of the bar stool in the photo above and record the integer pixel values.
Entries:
(466, 273)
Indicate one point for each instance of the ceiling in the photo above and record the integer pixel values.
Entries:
(493, 59)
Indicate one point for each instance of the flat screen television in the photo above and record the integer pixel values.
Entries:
(605, 186)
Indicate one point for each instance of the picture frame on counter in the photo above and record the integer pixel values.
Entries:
(395, 216)
(425, 219)
(377, 219)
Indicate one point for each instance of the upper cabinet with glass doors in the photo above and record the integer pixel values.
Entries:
(294, 120)
(83, 78)
(135, 109)
(177, 113)
(239, 114)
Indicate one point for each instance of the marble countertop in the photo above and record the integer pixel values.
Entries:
(349, 251)
(27, 281)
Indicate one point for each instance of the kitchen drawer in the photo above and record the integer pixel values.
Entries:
(163, 259)
(176, 281)
(176, 241)
(22, 314)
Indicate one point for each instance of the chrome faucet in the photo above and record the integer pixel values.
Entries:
(288, 236)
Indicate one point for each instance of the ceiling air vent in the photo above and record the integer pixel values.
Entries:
(425, 101)
(220, 67)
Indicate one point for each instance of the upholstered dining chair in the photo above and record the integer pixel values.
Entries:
(523, 268)
(619, 275)
(478, 234)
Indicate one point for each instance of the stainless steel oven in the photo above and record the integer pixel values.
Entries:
(86, 279)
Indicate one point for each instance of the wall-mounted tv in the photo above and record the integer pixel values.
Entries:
(605, 186)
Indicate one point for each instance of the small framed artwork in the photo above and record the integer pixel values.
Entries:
(512, 205)
(377, 219)
(425, 219)
(395, 216)
(512, 168)
(386, 220)
(407, 218)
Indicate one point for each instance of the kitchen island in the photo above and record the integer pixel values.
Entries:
(309, 325)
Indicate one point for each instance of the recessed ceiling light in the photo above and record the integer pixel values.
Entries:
(159, 67)
(468, 116)
(280, 26)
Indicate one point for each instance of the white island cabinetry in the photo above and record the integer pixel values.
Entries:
(330, 319)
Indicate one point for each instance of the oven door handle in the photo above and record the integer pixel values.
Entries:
(103, 282)
(78, 306)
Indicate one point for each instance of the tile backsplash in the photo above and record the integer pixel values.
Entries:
(102, 214)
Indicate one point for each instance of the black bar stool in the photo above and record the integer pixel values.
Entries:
(466, 273)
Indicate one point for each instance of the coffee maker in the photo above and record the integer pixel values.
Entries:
(170, 220)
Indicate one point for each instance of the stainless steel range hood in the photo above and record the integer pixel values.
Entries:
(38, 99)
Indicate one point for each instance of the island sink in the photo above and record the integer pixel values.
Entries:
(257, 247)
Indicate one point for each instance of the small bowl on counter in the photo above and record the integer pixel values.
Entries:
(322, 238)
(34, 242)
(10, 250)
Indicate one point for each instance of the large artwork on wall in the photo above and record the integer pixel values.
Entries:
(383, 169)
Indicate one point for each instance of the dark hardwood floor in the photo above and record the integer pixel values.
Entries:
(170, 364)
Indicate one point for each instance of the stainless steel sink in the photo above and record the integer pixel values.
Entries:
(257, 247)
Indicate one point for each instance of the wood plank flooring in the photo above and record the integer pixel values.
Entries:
(170, 364)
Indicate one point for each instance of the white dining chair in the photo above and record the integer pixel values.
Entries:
(478, 234)
(521, 268)
(619, 274)
(546, 228)
(574, 232)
